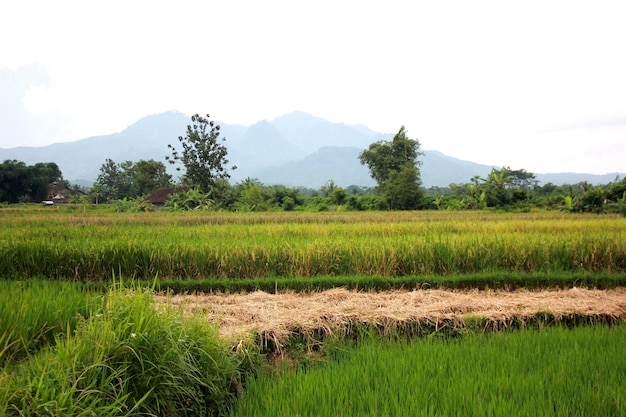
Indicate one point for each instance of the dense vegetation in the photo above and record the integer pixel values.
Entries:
(21, 182)
(548, 372)
(394, 165)
(395, 168)
(69, 348)
(128, 180)
(74, 343)
(121, 357)
(126, 186)
(63, 245)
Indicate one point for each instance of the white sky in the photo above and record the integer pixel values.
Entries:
(539, 85)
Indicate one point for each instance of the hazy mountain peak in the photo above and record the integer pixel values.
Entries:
(365, 130)
(171, 121)
(263, 130)
(295, 149)
(298, 117)
(293, 123)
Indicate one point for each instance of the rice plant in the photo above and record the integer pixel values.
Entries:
(243, 246)
(33, 312)
(129, 358)
(552, 372)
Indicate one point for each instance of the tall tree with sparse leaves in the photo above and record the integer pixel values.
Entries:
(203, 154)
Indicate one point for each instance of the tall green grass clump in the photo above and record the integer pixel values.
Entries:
(552, 372)
(128, 359)
(33, 312)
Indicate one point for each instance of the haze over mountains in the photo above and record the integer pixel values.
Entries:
(294, 150)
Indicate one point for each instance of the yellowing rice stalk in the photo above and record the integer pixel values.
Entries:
(237, 246)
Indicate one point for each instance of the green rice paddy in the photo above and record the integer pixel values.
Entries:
(550, 372)
(74, 343)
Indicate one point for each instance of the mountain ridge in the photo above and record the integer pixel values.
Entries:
(295, 149)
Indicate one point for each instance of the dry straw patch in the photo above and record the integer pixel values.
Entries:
(276, 316)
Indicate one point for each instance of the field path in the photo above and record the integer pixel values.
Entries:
(276, 316)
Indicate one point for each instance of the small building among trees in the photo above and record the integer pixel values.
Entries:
(61, 194)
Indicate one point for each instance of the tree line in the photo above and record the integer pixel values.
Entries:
(25, 183)
(394, 165)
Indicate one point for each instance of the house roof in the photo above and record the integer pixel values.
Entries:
(58, 192)
(161, 195)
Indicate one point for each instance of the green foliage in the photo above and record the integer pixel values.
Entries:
(400, 189)
(251, 199)
(111, 179)
(384, 158)
(338, 196)
(203, 156)
(483, 281)
(601, 199)
(129, 180)
(522, 179)
(250, 195)
(149, 176)
(189, 200)
(394, 166)
(133, 205)
(554, 371)
(20, 182)
(502, 189)
(33, 312)
(129, 359)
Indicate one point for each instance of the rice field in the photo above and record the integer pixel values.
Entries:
(246, 246)
(34, 312)
(69, 348)
(551, 372)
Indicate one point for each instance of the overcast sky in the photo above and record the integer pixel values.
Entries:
(538, 85)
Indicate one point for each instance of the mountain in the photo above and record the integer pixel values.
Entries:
(441, 170)
(574, 178)
(340, 164)
(311, 133)
(294, 150)
(261, 145)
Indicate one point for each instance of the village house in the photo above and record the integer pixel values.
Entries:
(61, 194)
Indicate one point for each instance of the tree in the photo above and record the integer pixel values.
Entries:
(523, 179)
(108, 179)
(203, 157)
(497, 187)
(401, 190)
(131, 180)
(503, 188)
(394, 166)
(20, 182)
(149, 176)
(328, 188)
(96, 192)
(42, 174)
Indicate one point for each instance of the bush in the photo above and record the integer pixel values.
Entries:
(133, 205)
(130, 359)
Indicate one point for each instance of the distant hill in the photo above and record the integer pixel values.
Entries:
(336, 163)
(574, 178)
(294, 150)
(341, 164)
